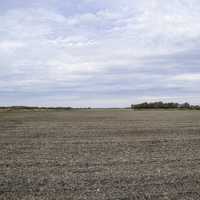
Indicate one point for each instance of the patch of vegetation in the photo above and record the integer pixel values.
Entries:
(13, 108)
(161, 105)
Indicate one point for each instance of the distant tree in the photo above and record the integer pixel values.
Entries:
(185, 106)
(161, 105)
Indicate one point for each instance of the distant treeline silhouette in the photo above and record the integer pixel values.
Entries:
(161, 105)
(38, 108)
(34, 108)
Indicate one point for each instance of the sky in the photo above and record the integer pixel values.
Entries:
(96, 53)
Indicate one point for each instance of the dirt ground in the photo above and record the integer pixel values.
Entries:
(100, 154)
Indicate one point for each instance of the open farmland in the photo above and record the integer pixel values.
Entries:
(100, 154)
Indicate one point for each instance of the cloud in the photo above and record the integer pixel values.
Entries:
(101, 49)
(187, 77)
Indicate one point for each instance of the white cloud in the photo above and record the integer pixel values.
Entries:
(10, 45)
(187, 77)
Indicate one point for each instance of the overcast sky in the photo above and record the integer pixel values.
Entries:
(99, 53)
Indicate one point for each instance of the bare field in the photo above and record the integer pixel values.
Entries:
(100, 154)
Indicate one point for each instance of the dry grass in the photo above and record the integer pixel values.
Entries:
(100, 154)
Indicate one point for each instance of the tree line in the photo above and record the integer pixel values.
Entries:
(161, 105)
(34, 108)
